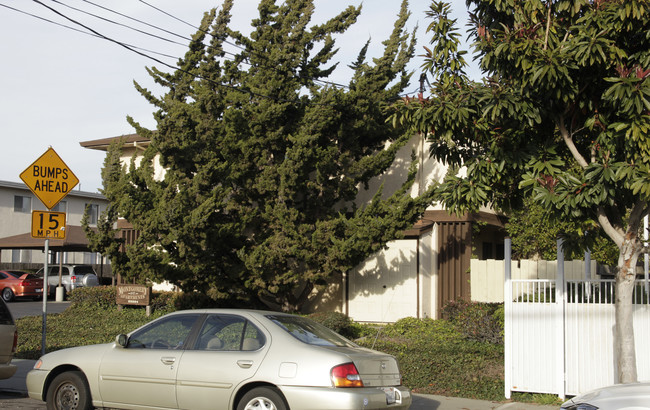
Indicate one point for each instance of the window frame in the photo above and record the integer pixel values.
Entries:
(23, 209)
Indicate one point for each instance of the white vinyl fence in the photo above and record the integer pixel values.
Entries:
(559, 333)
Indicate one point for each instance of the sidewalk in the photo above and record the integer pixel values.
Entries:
(429, 402)
(13, 395)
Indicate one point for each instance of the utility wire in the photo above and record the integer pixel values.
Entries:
(119, 24)
(81, 31)
(229, 42)
(252, 93)
(133, 28)
(136, 20)
(135, 49)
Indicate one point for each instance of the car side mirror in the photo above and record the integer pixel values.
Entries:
(122, 340)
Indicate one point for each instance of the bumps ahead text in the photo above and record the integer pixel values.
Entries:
(50, 179)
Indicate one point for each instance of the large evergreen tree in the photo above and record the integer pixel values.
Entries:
(263, 160)
(562, 115)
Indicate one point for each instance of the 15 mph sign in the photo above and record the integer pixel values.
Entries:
(49, 178)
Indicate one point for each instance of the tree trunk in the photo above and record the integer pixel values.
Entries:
(624, 349)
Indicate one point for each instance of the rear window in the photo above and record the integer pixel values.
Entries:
(310, 332)
(5, 315)
(83, 270)
(16, 273)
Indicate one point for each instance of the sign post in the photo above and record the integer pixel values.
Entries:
(50, 179)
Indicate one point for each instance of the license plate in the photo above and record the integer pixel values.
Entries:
(390, 394)
(39, 290)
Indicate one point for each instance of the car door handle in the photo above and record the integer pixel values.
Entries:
(244, 364)
(168, 360)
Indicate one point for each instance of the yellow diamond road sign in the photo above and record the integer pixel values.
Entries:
(49, 178)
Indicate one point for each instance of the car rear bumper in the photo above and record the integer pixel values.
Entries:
(22, 291)
(352, 398)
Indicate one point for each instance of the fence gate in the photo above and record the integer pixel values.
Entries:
(559, 334)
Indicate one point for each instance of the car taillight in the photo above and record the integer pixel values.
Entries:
(13, 349)
(73, 278)
(346, 375)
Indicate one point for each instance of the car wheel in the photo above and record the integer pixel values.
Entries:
(7, 294)
(69, 391)
(262, 398)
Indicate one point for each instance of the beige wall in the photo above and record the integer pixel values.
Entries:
(487, 281)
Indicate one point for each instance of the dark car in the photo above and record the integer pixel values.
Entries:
(15, 283)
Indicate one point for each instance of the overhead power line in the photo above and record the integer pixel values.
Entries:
(142, 51)
(81, 31)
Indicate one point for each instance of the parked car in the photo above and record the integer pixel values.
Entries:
(634, 396)
(15, 283)
(8, 342)
(221, 359)
(72, 277)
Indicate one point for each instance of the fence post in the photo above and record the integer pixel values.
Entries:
(646, 259)
(507, 312)
(560, 294)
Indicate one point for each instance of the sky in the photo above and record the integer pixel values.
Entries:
(61, 87)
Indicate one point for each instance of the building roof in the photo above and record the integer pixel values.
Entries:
(103, 144)
(429, 218)
(75, 193)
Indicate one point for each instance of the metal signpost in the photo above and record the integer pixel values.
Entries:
(50, 179)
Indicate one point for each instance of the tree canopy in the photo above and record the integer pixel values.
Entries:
(562, 115)
(263, 160)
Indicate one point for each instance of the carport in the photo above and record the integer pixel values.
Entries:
(75, 241)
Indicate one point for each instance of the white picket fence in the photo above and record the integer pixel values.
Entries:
(559, 333)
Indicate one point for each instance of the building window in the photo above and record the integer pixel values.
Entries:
(91, 258)
(93, 213)
(21, 256)
(60, 207)
(22, 204)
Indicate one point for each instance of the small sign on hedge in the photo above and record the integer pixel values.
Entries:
(134, 295)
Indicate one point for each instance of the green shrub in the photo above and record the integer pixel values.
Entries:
(453, 308)
(435, 359)
(81, 324)
(193, 300)
(481, 322)
(163, 301)
(98, 296)
(340, 323)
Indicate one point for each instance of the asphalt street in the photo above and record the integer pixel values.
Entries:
(21, 308)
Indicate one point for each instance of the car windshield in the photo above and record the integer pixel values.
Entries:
(310, 332)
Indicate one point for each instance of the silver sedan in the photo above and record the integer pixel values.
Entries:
(218, 359)
(634, 396)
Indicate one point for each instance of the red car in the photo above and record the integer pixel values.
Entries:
(14, 283)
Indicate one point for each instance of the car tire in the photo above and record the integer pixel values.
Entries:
(262, 398)
(69, 391)
(7, 295)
